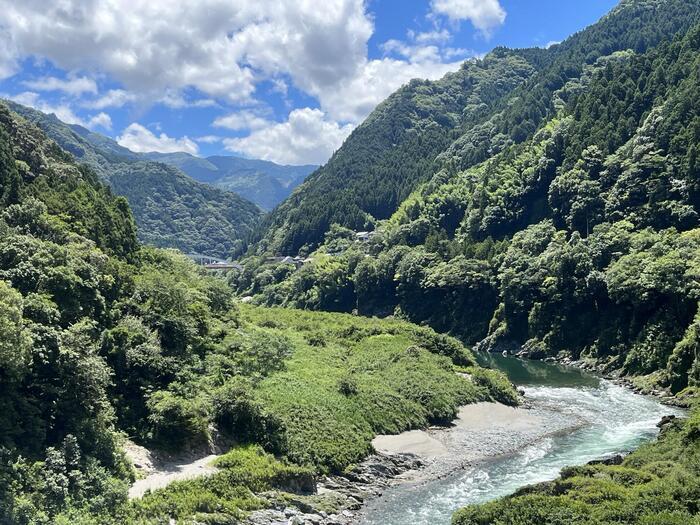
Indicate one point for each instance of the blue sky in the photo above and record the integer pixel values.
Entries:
(283, 80)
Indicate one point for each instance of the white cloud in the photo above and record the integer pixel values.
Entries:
(62, 111)
(355, 99)
(208, 139)
(436, 36)
(166, 51)
(142, 140)
(102, 120)
(114, 98)
(485, 15)
(307, 137)
(176, 100)
(73, 86)
(211, 45)
(245, 119)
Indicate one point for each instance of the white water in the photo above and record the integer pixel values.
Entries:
(615, 420)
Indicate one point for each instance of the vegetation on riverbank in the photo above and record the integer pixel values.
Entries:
(658, 484)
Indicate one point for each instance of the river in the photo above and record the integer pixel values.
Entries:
(614, 420)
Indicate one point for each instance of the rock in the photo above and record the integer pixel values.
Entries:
(666, 420)
(613, 460)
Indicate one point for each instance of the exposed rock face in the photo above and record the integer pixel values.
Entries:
(336, 498)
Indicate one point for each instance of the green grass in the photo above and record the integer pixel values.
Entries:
(226, 496)
(350, 378)
(307, 392)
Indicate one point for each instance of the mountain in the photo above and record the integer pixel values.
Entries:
(454, 123)
(170, 209)
(262, 182)
(103, 338)
(580, 240)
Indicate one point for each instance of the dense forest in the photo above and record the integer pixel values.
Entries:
(580, 241)
(455, 123)
(540, 202)
(170, 209)
(102, 338)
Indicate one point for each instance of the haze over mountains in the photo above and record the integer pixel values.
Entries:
(260, 181)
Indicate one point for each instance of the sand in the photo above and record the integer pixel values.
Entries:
(163, 474)
(416, 442)
(475, 418)
(480, 416)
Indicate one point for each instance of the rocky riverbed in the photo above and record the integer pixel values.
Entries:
(482, 431)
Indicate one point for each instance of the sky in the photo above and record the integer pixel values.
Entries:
(280, 80)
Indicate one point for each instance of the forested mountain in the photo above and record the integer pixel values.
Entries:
(579, 241)
(456, 122)
(262, 182)
(170, 209)
(101, 338)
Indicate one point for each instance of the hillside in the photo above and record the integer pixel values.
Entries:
(170, 209)
(579, 242)
(455, 123)
(101, 337)
(262, 182)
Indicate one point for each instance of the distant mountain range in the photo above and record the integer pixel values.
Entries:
(262, 182)
(170, 208)
(199, 205)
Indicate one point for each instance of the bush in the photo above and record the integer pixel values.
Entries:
(175, 422)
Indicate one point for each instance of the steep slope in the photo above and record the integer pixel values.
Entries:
(392, 151)
(262, 182)
(101, 337)
(170, 209)
(456, 122)
(580, 242)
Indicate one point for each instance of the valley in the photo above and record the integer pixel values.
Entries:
(470, 299)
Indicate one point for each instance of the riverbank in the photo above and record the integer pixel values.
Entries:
(565, 417)
(642, 385)
(482, 432)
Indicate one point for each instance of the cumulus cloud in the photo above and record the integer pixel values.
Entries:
(102, 120)
(245, 119)
(114, 98)
(184, 54)
(62, 111)
(72, 86)
(307, 137)
(142, 140)
(485, 15)
(144, 45)
(355, 99)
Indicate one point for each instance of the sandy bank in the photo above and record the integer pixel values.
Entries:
(416, 442)
(159, 474)
(479, 417)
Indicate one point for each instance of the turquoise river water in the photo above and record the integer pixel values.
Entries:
(616, 420)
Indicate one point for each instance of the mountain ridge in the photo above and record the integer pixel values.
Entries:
(498, 116)
(263, 182)
(171, 209)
